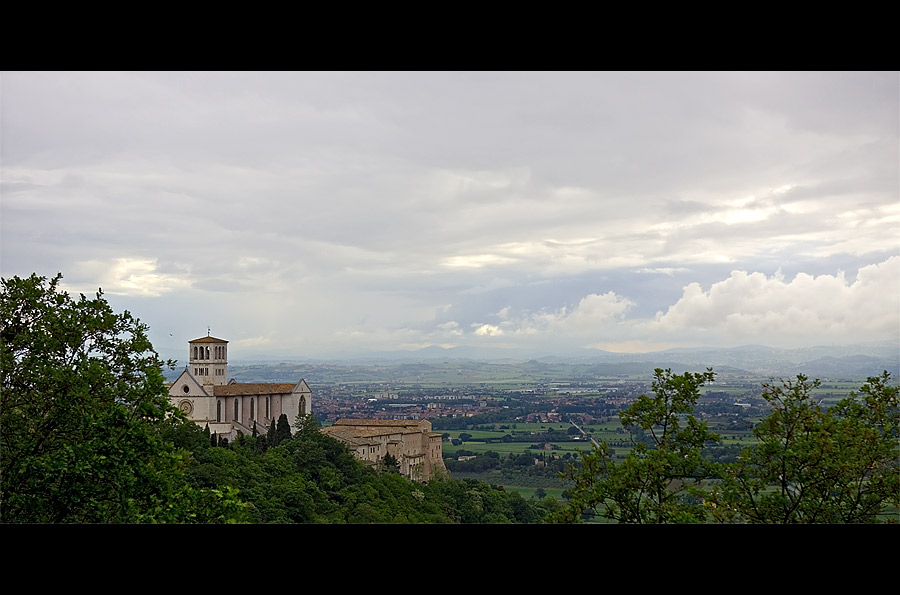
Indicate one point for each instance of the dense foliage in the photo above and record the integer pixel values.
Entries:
(654, 482)
(83, 413)
(838, 465)
(313, 478)
(808, 465)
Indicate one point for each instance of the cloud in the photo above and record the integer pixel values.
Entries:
(593, 314)
(451, 328)
(125, 276)
(670, 271)
(343, 209)
(487, 330)
(252, 342)
(752, 306)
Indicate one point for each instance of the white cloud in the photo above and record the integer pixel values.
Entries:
(487, 330)
(252, 342)
(451, 328)
(477, 261)
(751, 306)
(595, 313)
(125, 276)
(670, 271)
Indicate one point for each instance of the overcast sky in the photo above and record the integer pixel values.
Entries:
(328, 213)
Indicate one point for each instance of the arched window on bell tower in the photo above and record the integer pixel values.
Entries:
(207, 360)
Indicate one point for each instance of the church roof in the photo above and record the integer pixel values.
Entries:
(351, 436)
(390, 423)
(252, 388)
(371, 431)
(208, 340)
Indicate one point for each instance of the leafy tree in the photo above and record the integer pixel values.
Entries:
(306, 425)
(811, 465)
(654, 481)
(84, 417)
(389, 464)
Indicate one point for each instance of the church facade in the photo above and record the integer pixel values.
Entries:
(206, 396)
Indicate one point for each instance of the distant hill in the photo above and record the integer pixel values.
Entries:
(867, 359)
(862, 360)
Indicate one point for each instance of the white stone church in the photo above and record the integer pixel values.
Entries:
(204, 394)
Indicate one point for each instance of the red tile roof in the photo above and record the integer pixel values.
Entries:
(391, 423)
(252, 388)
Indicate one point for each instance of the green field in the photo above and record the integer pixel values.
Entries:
(611, 432)
(504, 448)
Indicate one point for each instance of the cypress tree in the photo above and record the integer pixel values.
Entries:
(271, 436)
(283, 431)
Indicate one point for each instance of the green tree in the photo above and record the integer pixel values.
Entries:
(283, 429)
(389, 464)
(306, 425)
(656, 480)
(812, 465)
(84, 416)
(271, 438)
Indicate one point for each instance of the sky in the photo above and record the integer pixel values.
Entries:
(319, 214)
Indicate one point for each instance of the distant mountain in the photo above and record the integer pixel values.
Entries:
(861, 360)
(867, 359)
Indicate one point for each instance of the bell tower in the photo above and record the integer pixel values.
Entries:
(208, 360)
